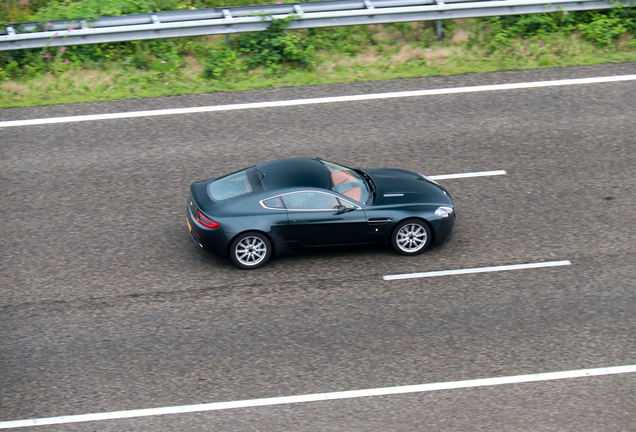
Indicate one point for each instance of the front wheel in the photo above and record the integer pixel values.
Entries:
(250, 250)
(411, 237)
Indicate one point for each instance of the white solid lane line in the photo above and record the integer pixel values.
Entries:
(465, 175)
(174, 111)
(321, 397)
(478, 270)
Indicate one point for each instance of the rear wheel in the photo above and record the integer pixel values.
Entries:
(411, 237)
(250, 250)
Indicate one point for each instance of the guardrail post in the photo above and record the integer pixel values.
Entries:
(438, 23)
(227, 15)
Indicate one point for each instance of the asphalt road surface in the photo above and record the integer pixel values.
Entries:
(106, 304)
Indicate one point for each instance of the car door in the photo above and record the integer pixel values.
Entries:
(314, 219)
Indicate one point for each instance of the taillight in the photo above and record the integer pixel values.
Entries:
(206, 221)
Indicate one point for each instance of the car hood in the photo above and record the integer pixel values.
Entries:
(405, 187)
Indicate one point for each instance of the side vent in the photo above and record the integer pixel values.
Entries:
(379, 220)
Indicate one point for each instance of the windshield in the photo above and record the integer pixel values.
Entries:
(347, 182)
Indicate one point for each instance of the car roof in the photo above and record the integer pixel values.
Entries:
(298, 172)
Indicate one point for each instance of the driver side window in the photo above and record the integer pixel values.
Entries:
(311, 201)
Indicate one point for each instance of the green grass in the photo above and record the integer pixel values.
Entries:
(344, 55)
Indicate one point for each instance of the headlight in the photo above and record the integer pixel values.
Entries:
(428, 178)
(443, 211)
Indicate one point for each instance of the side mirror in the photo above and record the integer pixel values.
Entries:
(341, 209)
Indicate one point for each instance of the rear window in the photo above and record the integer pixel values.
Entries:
(234, 185)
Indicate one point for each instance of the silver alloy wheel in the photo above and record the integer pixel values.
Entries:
(250, 251)
(411, 237)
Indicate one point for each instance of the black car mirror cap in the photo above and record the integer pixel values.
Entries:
(341, 209)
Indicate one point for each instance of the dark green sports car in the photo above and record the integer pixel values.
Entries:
(282, 206)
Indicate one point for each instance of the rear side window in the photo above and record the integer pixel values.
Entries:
(274, 203)
(231, 186)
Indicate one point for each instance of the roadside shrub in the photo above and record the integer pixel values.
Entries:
(12, 70)
(537, 25)
(603, 29)
(269, 48)
(273, 46)
(18, 11)
(25, 63)
(501, 35)
(221, 62)
(93, 9)
(627, 15)
(44, 10)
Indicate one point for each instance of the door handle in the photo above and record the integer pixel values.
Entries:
(300, 220)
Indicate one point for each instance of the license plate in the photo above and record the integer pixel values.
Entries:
(189, 226)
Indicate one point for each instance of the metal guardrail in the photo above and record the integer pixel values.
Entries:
(255, 18)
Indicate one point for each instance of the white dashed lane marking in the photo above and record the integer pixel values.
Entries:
(466, 175)
(478, 270)
(322, 397)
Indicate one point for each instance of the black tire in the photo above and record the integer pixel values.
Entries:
(250, 250)
(411, 237)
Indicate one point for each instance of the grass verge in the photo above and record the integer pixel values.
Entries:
(354, 54)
